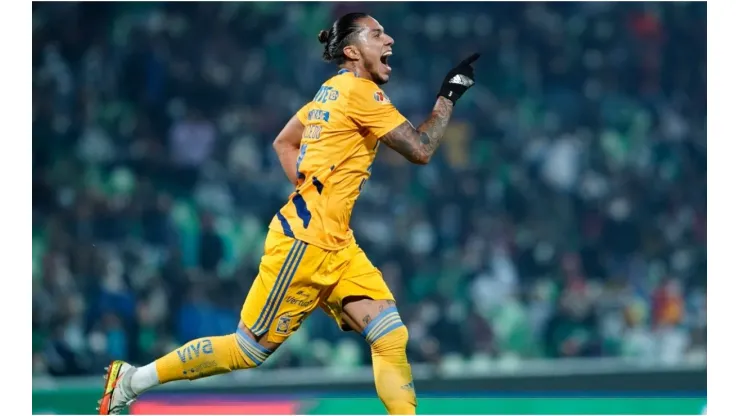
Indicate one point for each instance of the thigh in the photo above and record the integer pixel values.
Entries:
(284, 292)
(357, 313)
(359, 295)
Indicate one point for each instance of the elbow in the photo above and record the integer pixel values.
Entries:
(420, 159)
(280, 146)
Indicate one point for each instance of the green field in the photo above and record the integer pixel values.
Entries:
(83, 402)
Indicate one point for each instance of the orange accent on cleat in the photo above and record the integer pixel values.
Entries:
(111, 380)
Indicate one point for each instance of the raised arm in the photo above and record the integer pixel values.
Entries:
(418, 145)
(287, 145)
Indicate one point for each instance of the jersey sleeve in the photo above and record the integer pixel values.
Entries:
(372, 111)
(302, 114)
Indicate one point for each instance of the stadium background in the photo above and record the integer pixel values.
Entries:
(558, 239)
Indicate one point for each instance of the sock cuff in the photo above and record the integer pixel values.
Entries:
(251, 348)
(387, 321)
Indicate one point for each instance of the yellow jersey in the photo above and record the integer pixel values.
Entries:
(342, 125)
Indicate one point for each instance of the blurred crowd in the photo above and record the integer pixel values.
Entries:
(564, 216)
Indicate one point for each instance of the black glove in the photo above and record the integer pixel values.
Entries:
(459, 79)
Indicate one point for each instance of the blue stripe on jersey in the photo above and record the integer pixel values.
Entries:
(285, 224)
(319, 186)
(301, 209)
(279, 290)
(287, 264)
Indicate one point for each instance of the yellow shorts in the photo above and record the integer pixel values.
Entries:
(294, 278)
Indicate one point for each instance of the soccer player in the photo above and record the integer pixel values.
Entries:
(311, 258)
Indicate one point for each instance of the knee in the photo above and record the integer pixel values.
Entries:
(251, 351)
(387, 332)
(394, 340)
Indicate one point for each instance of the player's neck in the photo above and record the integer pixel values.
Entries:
(357, 70)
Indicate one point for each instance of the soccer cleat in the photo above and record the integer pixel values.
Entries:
(115, 399)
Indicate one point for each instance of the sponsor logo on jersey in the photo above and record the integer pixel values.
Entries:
(318, 115)
(325, 94)
(295, 301)
(381, 97)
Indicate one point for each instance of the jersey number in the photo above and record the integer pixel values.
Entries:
(301, 155)
(302, 176)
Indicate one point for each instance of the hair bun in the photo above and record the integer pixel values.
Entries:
(324, 36)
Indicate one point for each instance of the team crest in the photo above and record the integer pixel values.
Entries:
(283, 325)
(381, 97)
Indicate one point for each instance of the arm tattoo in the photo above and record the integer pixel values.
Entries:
(418, 145)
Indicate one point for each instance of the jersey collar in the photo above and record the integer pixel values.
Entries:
(344, 71)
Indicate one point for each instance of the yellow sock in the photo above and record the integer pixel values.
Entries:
(209, 356)
(388, 337)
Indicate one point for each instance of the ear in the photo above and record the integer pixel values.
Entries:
(351, 52)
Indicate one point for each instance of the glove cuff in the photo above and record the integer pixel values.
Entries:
(450, 95)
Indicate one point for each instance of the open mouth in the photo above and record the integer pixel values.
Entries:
(384, 59)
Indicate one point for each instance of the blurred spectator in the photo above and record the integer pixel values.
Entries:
(211, 246)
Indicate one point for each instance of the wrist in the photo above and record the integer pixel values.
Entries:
(449, 97)
(445, 100)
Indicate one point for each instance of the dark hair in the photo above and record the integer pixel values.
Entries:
(341, 34)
